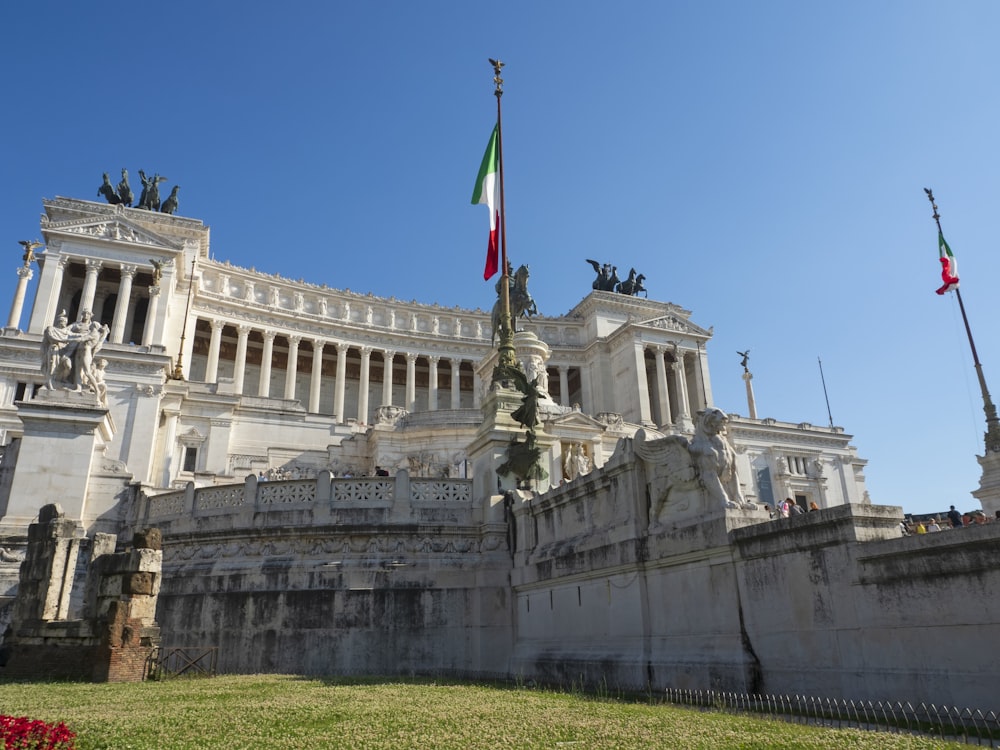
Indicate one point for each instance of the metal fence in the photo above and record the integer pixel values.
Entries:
(192, 661)
(971, 726)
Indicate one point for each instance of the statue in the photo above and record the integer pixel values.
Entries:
(521, 303)
(632, 285)
(68, 354)
(149, 199)
(682, 474)
(108, 191)
(125, 196)
(745, 360)
(170, 204)
(157, 270)
(607, 276)
(576, 464)
(29, 250)
(523, 461)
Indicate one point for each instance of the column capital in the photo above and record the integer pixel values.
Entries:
(217, 325)
(294, 340)
(62, 261)
(318, 345)
(128, 269)
(411, 357)
(25, 272)
(154, 291)
(243, 330)
(388, 355)
(342, 347)
(270, 335)
(94, 265)
(433, 359)
(366, 351)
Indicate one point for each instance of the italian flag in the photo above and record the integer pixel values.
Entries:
(487, 191)
(949, 266)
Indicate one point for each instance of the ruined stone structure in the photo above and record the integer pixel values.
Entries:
(284, 548)
(110, 635)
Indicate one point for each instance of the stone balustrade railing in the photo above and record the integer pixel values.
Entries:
(324, 491)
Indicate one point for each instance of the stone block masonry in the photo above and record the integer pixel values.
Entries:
(116, 636)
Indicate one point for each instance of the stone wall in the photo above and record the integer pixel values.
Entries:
(117, 634)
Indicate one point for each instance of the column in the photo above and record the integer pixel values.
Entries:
(292, 369)
(563, 385)
(642, 383)
(24, 274)
(387, 358)
(661, 387)
(338, 396)
(477, 390)
(124, 302)
(154, 304)
(90, 284)
(411, 380)
(456, 393)
(366, 358)
(586, 395)
(49, 287)
(264, 387)
(432, 383)
(680, 380)
(316, 377)
(212, 367)
(240, 365)
(169, 445)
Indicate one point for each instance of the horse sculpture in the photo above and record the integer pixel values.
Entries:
(521, 303)
(633, 284)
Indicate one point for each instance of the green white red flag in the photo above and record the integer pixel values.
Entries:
(487, 191)
(949, 266)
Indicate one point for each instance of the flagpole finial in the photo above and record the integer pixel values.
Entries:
(497, 80)
(930, 197)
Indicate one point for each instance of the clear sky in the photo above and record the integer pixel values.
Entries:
(762, 163)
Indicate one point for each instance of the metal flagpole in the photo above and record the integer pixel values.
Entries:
(992, 421)
(823, 379)
(505, 345)
(179, 366)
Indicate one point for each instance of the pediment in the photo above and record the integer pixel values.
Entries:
(675, 323)
(574, 420)
(114, 229)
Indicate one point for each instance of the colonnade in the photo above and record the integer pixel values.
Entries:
(678, 390)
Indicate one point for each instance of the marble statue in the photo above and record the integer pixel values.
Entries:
(68, 354)
(683, 475)
(577, 463)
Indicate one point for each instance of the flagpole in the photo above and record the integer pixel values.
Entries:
(506, 338)
(992, 421)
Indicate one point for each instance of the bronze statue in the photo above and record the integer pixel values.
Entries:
(746, 358)
(523, 461)
(632, 285)
(521, 303)
(607, 276)
(150, 197)
(29, 250)
(125, 196)
(108, 191)
(170, 204)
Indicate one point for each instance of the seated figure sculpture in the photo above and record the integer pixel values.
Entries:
(68, 354)
(684, 475)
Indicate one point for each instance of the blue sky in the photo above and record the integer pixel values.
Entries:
(761, 163)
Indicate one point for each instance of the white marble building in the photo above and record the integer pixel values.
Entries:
(289, 376)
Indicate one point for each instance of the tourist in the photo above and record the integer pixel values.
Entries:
(933, 525)
(813, 506)
(955, 517)
(904, 528)
(920, 528)
(786, 507)
(796, 509)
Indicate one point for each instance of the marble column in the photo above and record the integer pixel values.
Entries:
(338, 395)
(432, 383)
(586, 395)
(563, 385)
(90, 285)
(316, 378)
(292, 367)
(44, 310)
(456, 383)
(264, 387)
(24, 274)
(387, 358)
(169, 446)
(411, 381)
(366, 359)
(644, 416)
(680, 380)
(212, 367)
(477, 390)
(124, 303)
(662, 392)
(151, 310)
(240, 365)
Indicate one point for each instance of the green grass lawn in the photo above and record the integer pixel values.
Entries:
(273, 712)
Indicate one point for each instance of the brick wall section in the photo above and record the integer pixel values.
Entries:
(118, 633)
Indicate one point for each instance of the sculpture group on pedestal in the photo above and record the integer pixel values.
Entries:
(149, 199)
(607, 280)
(68, 355)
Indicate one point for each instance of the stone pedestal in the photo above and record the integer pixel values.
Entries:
(63, 430)
(989, 484)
